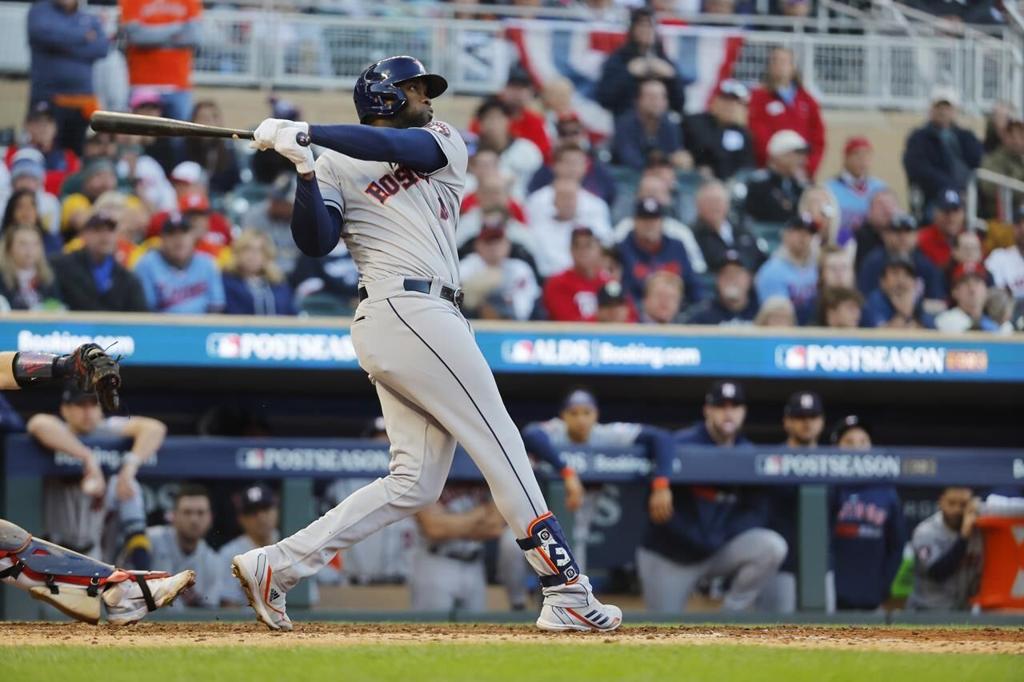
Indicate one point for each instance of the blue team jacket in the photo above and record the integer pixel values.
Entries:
(63, 46)
(868, 536)
(706, 517)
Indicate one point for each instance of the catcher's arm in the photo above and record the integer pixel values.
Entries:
(89, 367)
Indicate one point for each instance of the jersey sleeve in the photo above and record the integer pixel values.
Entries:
(454, 148)
(621, 434)
(327, 181)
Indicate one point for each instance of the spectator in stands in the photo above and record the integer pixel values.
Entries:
(613, 305)
(647, 250)
(649, 130)
(216, 157)
(664, 296)
(518, 157)
(781, 103)
(735, 302)
(160, 37)
(683, 546)
(572, 295)
(947, 554)
(26, 280)
(328, 285)
(899, 241)
(653, 186)
(716, 235)
(896, 302)
(792, 8)
(1007, 264)
(525, 122)
(970, 292)
(867, 531)
(177, 278)
(193, 202)
(490, 269)
(96, 146)
(940, 155)
(835, 269)
(572, 152)
(165, 151)
(130, 216)
(774, 191)
(719, 139)
(1008, 160)
(553, 212)
(182, 546)
(64, 44)
(641, 58)
(792, 271)
(820, 204)
(273, 217)
(937, 240)
(883, 210)
(28, 173)
(253, 284)
(98, 177)
(491, 197)
(842, 308)
(966, 251)
(996, 123)
(41, 133)
(854, 187)
(75, 512)
(91, 278)
(21, 209)
(258, 517)
(776, 311)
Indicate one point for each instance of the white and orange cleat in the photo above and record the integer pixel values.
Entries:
(574, 607)
(266, 598)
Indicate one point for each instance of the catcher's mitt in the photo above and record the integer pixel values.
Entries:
(93, 370)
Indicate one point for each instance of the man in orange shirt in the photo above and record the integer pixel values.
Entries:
(161, 36)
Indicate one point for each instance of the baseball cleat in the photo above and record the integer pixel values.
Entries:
(257, 579)
(596, 617)
(131, 607)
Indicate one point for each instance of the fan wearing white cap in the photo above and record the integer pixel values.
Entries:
(940, 154)
(774, 191)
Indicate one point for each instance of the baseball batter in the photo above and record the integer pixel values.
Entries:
(392, 188)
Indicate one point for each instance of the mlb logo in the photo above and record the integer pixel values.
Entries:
(251, 459)
(521, 352)
(224, 346)
(771, 465)
(793, 358)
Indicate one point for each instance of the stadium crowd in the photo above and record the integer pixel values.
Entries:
(719, 217)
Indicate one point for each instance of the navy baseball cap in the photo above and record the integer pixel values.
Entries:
(849, 423)
(256, 498)
(175, 224)
(732, 257)
(726, 392)
(75, 395)
(804, 404)
(901, 262)
(578, 397)
(649, 207)
(611, 293)
(903, 222)
(950, 200)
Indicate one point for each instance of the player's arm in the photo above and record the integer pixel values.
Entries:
(54, 434)
(316, 228)
(480, 523)
(661, 450)
(147, 436)
(539, 445)
(412, 147)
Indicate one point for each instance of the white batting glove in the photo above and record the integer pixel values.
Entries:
(266, 131)
(286, 145)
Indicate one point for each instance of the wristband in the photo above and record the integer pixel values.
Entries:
(568, 472)
(660, 483)
(131, 460)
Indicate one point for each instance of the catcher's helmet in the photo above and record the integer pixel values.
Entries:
(377, 92)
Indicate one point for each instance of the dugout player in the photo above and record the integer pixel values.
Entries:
(76, 584)
(947, 554)
(706, 531)
(258, 516)
(181, 546)
(392, 187)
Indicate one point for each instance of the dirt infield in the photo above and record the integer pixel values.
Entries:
(917, 639)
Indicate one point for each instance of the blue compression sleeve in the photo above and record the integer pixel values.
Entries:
(538, 443)
(412, 147)
(660, 449)
(316, 229)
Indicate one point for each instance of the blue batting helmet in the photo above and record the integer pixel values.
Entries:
(377, 92)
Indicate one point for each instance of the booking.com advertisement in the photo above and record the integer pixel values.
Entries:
(577, 351)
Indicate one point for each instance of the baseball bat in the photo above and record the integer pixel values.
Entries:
(134, 124)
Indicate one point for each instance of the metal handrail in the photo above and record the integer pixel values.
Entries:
(1007, 186)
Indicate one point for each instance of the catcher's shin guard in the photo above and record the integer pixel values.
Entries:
(71, 582)
(548, 552)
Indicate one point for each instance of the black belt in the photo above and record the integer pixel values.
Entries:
(467, 557)
(423, 286)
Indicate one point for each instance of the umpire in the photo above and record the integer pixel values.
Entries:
(705, 531)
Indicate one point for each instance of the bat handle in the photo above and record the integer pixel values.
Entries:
(302, 139)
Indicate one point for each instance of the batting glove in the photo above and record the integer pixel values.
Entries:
(286, 144)
(263, 136)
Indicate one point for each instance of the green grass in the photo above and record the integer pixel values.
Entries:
(529, 662)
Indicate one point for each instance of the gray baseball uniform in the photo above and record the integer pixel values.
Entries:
(450, 574)
(435, 387)
(230, 591)
(168, 556)
(933, 541)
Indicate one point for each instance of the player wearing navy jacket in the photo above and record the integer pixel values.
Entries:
(867, 531)
(699, 531)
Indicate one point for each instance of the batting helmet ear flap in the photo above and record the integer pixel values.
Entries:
(376, 93)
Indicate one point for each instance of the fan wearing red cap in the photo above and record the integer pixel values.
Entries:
(854, 186)
(970, 290)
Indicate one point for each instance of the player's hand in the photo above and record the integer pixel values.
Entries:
(125, 489)
(573, 491)
(660, 505)
(286, 144)
(970, 518)
(93, 483)
(265, 133)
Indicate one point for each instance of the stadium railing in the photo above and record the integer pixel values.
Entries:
(284, 49)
